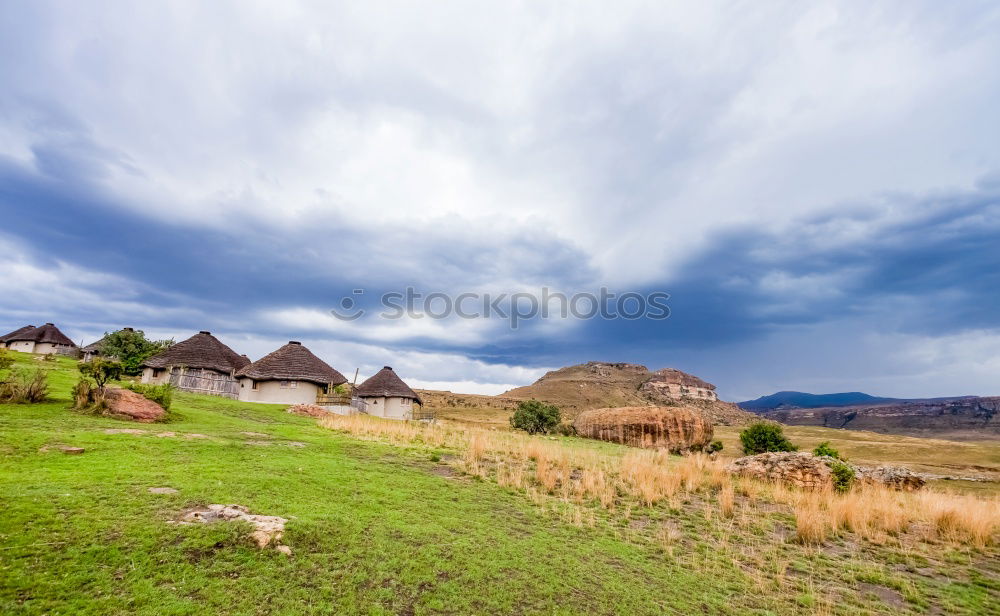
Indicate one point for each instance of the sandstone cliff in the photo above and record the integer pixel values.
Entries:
(964, 418)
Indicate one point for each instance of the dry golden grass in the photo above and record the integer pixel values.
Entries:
(576, 474)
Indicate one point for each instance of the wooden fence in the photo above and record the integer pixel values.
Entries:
(205, 382)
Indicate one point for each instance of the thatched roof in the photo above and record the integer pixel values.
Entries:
(203, 350)
(17, 332)
(47, 333)
(292, 362)
(386, 383)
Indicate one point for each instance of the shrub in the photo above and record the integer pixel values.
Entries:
(88, 397)
(843, 476)
(101, 370)
(565, 429)
(25, 386)
(533, 417)
(763, 437)
(6, 361)
(160, 394)
(714, 446)
(131, 348)
(824, 449)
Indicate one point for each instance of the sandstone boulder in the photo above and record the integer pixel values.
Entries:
(677, 429)
(130, 405)
(800, 469)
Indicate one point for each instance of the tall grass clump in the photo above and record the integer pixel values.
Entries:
(24, 386)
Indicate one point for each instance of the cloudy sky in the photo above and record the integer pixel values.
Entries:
(816, 185)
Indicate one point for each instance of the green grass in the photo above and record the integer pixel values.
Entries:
(375, 529)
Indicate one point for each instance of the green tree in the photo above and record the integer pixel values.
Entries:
(535, 417)
(763, 437)
(131, 348)
(101, 370)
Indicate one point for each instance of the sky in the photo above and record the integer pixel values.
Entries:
(815, 185)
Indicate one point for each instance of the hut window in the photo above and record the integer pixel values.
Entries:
(406, 402)
(289, 384)
(253, 384)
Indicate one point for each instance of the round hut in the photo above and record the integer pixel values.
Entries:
(40, 340)
(201, 364)
(290, 375)
(386, 395)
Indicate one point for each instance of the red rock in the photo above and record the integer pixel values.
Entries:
(130, 405)
(675, 428)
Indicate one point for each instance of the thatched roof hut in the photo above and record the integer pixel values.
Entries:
(204, 351)
(292, 362)
(16, 332)
(42, 340)
(386, 384)
(675, 428)
(46, 334)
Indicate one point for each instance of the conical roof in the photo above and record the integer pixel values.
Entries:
(46, 333)
(17, 332)
(292, 362)
(386, 383)
(203, 350)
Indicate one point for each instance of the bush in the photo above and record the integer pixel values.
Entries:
(824, 449)
(714, 446)
(843, 476)
(6, 361)
(25, 386)
(131, 348)
(160, 394)
(763, 437)
(564, 429)
(101, 370)
(533, 417)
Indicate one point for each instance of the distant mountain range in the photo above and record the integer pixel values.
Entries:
(959, 417)
(802, 400)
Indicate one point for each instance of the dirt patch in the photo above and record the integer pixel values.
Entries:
(124, 431)
(887, 595)
(67, 449)
(257, 434)
(162, 491)
(445, 471)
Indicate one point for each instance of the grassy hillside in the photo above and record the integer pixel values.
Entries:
(382, 527)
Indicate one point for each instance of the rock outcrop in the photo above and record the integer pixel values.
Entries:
(893, 477)
(673, 384)
(674, 428)
(796, 468)
(804, 470)
(308, 410)
(268, 529)
(127, 404)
